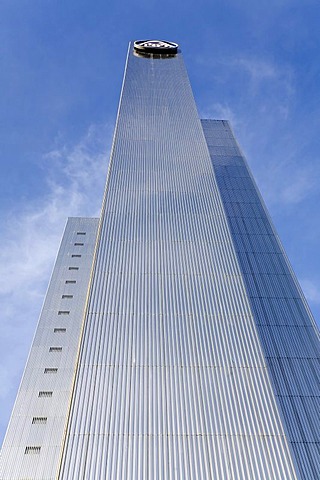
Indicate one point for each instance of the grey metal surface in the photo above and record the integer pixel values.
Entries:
(172, 381)
(287, 331)
(34, 439)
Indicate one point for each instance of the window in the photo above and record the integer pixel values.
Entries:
(78, 244)
(45, 394)
(81, 233)
(59, 330)
(39, 420)
(75, 256)
(55, 349)
(63, 312)
(50, 370)
(71, 281)
(32, 450)
(67, 296)
(73, 268)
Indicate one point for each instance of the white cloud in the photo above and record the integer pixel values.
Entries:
(258, 69)
(220, 111)
(261, 71)
(75, 178)
(311, 291)
(300, 187)
(285, 180)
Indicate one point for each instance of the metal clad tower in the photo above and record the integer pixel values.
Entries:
(186, 349)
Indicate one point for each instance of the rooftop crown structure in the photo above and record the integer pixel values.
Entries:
(175, 341)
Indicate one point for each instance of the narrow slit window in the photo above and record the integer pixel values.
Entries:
(73, 268)
(59, 330)
(63, 312)
(55, 349)
(67, 296)
(32, 450)
(75, 256)
(79, 244)
(39, 420)
(46, 394)
(50, 370)
(81, 233)
(70, 281)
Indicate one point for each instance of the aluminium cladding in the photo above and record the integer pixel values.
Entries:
(175, 341)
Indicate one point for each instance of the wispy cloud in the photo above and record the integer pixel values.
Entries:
(257, 68)
(275, 144)
(284, 180)
(75, 179)
(220, 111)
(311, 291)
(264, 73)
(301, 185)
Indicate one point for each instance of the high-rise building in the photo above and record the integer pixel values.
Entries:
(174, 341)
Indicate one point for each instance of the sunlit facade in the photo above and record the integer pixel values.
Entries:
(174, 341)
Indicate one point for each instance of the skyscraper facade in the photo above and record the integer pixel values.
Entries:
(174, 341)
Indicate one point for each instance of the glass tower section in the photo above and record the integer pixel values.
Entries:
(197, 355)
(287, 331)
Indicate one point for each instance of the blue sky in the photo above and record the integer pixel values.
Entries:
(254, 63)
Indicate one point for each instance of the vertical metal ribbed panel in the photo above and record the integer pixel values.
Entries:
(286, 328)
(32, 447)
(172, 382)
